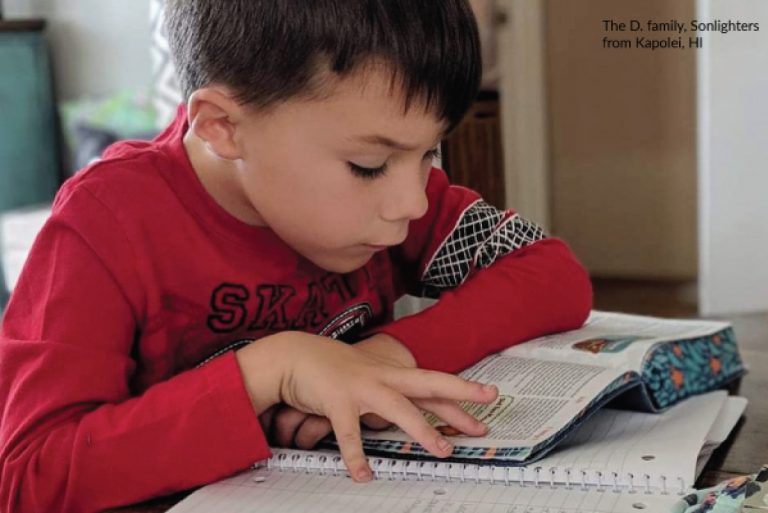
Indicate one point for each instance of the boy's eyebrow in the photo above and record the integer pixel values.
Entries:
(386, 141)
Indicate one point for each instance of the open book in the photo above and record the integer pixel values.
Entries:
(617, 461)
(550, 385)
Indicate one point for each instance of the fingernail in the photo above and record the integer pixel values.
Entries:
(444, 445)
(489, 388)
(363, 475)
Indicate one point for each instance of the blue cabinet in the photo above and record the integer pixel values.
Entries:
(30, 168)
(30, 164)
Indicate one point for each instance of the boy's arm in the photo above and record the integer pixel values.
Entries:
(499, 280)
(72, 435)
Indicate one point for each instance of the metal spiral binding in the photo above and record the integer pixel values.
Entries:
(393, 469)
(322, 459)
(392, 464)
(616, 487)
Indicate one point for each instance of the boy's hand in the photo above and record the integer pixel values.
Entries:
(327, 378)
(290, 426)
(387, 347)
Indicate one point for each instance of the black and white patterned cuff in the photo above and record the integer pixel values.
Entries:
(482, 234)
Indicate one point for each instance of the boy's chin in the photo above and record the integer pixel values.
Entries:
(341, 265)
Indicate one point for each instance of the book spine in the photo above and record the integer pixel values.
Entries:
(437, 471)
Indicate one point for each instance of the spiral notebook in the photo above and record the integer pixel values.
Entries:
(617, 461)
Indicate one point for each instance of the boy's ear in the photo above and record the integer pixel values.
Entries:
(213, 117)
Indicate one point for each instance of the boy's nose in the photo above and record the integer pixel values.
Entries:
(406, 199)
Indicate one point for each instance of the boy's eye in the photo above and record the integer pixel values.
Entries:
(369, 173)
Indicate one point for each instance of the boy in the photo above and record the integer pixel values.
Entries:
(291, 202)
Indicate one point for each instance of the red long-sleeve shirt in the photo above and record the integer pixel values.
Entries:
(139, 277)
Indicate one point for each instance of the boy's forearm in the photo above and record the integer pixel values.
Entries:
(499, 278)
(534, 291)
(195, 428)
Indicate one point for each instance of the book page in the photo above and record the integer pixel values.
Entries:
(729, 416)
(537, 399)
(613, 339)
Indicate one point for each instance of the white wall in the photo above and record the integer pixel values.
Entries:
(98, 46)
(733, 161)
(622, 142)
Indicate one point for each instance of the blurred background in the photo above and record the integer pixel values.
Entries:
(650, 164)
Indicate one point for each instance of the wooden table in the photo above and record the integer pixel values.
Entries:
(743, 453)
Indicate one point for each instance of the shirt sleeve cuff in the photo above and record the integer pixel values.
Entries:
(234, 437)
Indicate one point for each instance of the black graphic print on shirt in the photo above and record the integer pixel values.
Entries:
(276, 307)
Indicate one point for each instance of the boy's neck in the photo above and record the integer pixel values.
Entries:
(220, 178)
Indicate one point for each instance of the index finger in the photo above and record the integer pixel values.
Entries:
(346, 426)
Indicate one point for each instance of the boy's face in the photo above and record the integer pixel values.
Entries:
(339, 178)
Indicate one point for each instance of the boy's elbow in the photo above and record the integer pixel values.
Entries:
(575, 289)
(561, 285)
(583, 298)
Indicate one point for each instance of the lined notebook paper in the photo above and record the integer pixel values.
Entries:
(618, 461)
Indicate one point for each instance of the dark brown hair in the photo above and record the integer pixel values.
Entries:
(268, 51)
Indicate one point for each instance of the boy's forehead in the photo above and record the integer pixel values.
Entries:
(378, 111)
(366, 107)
